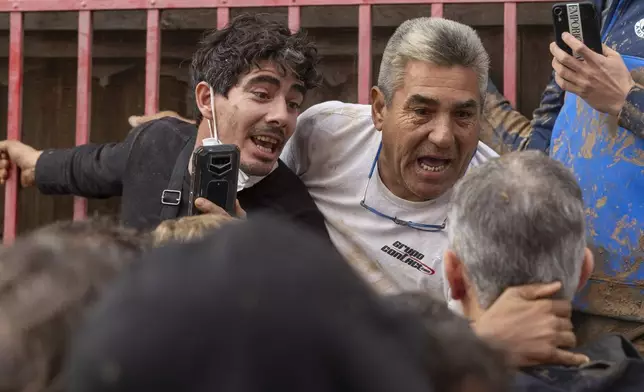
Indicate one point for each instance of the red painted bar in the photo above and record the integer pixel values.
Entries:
(83, 94)
(294, 18)
(223, 15)
(364, 53)
(152, 62)
(86, 5)
(14, 121)
(437, 10)
(510, 52)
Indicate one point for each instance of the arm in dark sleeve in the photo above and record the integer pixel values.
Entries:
(91, 170)
(632, 115)
(510, 130)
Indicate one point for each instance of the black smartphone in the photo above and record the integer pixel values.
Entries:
(581, 21)
(214, 176)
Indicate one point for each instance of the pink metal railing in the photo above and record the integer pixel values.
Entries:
(16, 8)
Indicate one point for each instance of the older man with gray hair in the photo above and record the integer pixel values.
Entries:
(382, 175)
(516, 220)
(519, 220)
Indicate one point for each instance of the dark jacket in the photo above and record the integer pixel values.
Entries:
(139, 169)
(615, 367)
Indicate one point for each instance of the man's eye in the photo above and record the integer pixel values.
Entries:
(421, 112)
(294, 105)
(260, 94)
(463, 115)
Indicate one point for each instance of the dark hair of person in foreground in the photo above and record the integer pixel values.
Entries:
(459, 361)
(256, 306)
(47, 280)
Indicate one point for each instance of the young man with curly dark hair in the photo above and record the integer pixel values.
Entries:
(255, 73)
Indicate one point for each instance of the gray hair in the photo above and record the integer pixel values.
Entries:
(515, 220)
(440, 41)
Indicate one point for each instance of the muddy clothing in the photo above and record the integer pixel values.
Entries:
(622, 30)
(607, 156)
(139, 170)
(615, 367)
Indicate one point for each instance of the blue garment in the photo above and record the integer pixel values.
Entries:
(512, 131)
(608, 162)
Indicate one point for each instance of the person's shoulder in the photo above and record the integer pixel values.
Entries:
(331, 114)
(286, 181)
(167, 127)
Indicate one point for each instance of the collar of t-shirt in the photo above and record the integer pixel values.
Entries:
(379, 197)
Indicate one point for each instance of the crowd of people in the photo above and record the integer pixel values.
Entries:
(379, 247)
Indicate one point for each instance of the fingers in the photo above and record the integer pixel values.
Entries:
(578, 47)
(560, 307)
(135, 121)
(609, 52)
(563, 357)
(566, 339)
(564, 324)
(565, 59)
(239, 211)
(537, 290)
(208, 207)
(566, 74)
(5, 167)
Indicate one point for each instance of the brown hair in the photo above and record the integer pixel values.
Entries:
(187, 228)
(47, 280)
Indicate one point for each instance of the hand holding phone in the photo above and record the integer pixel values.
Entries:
(581, 21)
(205, 206)
(214, 176)
(597, 73)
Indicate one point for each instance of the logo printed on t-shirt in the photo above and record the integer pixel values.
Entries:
(639, 28)
(408, 255)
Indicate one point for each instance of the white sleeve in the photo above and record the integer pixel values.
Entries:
(296, 153)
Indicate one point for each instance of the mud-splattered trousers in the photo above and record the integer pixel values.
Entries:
(607, 156)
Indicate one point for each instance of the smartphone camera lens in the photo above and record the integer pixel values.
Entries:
(558, 11)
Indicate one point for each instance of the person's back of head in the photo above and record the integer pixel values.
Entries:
(257, 306)
(47, 279)
(457, 360)
(515, 220)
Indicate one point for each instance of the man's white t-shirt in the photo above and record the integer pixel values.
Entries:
(332, 151)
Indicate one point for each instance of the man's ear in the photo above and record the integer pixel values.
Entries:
(378, 107)
(202, 98)
(454, 274)
(587, 267)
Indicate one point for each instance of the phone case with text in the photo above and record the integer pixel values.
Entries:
(581, 21)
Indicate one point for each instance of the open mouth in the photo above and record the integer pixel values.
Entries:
(433, 164)
(266, 144)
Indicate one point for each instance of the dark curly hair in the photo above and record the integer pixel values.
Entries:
(222, 56)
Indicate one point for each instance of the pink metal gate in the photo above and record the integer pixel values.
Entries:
(16, 8)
